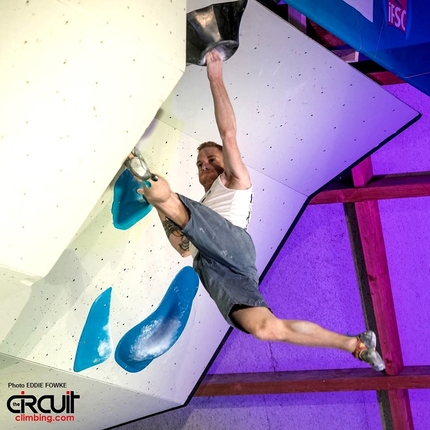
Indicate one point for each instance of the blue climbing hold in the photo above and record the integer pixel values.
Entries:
(128, 205)
(157, 333)
(95, 344)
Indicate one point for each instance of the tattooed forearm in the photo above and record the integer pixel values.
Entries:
(171, 228)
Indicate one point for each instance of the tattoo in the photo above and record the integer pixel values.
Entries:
(171, 228)
(185, 244)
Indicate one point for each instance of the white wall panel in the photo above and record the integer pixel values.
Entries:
(100, 405)
(158, 27)
(303, 114)
(274, 210)
(78, 88)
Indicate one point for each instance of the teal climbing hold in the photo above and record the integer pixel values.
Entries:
(157, 333)
(95, 344)
(128, 206)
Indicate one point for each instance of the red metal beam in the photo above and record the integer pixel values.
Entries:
(239, 384)
(384, 78)
(400, 407)
(375, 259)
(378, 188)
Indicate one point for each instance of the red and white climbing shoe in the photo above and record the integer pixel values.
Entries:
(365, 350)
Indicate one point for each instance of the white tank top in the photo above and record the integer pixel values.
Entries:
(233, 205)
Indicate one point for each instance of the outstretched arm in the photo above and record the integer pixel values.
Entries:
(236, 173)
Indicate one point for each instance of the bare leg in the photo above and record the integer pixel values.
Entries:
(262, 324)
(166, 201)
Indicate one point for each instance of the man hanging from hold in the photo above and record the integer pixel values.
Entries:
(214, 232)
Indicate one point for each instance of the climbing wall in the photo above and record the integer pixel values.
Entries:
(120, 319)
(81, 80)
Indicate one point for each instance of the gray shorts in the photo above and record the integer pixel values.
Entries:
(225, 262)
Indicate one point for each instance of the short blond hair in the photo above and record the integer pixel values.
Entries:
(209, 144)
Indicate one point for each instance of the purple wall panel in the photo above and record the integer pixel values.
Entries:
(420, 408)
(409, 151)
(320, 411)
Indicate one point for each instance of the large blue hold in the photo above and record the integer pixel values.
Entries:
(128, 206)
(95, 344)
(157, 333)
